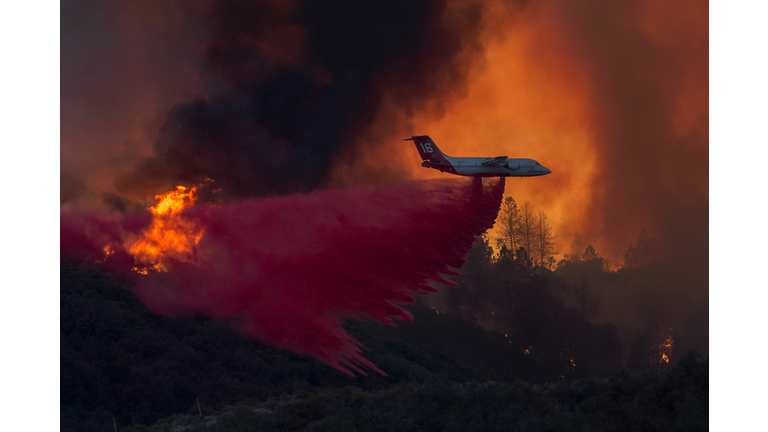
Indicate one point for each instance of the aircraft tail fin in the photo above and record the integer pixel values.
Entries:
(427, 148)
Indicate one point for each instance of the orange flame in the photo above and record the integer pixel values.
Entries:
(170, 235)
(665, 349)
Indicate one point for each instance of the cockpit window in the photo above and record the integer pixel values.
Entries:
(537, 164)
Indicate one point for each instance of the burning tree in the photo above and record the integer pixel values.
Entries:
(653, 349)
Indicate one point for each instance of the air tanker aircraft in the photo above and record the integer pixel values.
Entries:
(499, 166)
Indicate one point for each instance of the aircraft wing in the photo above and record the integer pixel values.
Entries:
(495, 161)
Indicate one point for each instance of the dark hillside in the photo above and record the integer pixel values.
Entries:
(122, 364)
(119, 359)
(674, 400)
(484, 354)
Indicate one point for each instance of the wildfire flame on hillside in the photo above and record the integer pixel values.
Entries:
(170, 235)
(665, 349)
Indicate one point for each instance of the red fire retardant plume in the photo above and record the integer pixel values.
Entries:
(288, 270)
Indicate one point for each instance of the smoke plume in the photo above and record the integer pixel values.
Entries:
(288, 270)
(285, 87)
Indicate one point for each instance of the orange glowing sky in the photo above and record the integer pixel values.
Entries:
(538, 94)
(527, 102)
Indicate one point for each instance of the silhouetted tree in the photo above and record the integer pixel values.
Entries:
(505, 254)
(528, 224)
(644, 252)
(509, 225)
(589, 254)
(593, 262)
(563, 262)
(545, 241)
(522, 258)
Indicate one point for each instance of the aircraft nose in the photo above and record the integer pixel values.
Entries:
(542, 170)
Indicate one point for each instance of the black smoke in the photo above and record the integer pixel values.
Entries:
(288, 86)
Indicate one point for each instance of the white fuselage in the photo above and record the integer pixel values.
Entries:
(474, 166)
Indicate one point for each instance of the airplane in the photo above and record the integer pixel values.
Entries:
(499, 166)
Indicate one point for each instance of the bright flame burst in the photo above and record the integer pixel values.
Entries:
(170, 236)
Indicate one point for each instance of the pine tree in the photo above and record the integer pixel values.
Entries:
(546, 245)
(528, 224)
(509, 225)
(589, 254)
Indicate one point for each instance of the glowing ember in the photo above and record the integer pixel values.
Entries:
(170, 236)
(665, 350)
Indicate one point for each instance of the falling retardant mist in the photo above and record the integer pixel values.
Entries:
(288, 270)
